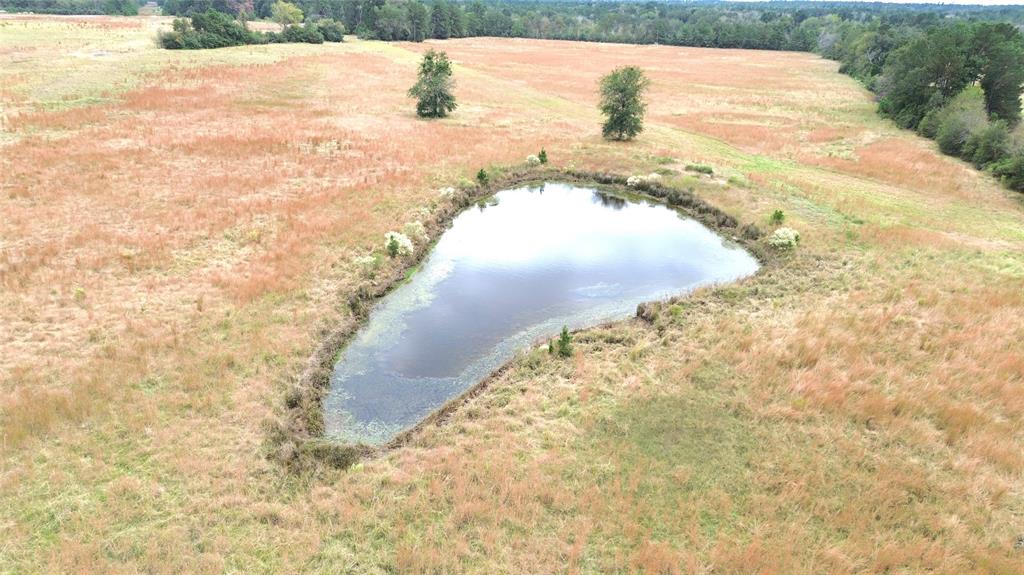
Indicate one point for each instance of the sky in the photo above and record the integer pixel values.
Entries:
(974, 2)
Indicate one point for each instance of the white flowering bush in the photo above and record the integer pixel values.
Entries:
(784, 238)
(416, 231)
(446, 192)
(368, 264)
(634, 181)
(533, 160)
(397, 244)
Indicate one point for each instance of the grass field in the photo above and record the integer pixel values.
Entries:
(177, 227)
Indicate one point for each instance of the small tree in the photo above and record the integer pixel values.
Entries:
(542, 156)
(393, 246)
(564, 347)
(433, 89)
(285, 13)
(622, 103)
(482, 177)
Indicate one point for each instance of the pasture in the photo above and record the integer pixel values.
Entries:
(175, 227)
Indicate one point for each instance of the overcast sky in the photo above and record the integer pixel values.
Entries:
(979, 2)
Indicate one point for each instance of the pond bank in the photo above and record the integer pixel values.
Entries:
(297, 439)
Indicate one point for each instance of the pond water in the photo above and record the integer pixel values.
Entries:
(504, 275)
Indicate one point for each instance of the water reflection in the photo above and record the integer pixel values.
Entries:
(609, 201)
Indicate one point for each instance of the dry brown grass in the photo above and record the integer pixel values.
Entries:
(167, 251)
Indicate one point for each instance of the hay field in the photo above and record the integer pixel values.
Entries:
(176, 226)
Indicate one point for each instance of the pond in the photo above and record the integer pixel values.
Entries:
(506, 273)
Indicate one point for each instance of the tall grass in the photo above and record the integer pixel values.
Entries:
(168, 257)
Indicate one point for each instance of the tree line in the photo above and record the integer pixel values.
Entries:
(767, 26)
(957, 82)
(89, 7)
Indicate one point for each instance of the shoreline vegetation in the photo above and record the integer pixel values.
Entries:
(297, 440)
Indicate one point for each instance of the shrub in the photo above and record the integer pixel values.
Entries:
(532, 160)
(542, 156)
(482, 177)
(210, 29)
(929, 125)
(416, 231)
(368, 264)
(777, 217)
(784, 238)
(1011, 170)
(397, 244)
(642, 181)
(952, 134)
(331, 30)
(749, 232)
(700, 169)
(988, 145)
(952, 124)
(213, 29)
(306, 34)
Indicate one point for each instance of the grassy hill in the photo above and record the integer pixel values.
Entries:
(179, 227)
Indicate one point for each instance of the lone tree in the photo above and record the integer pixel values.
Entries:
(285, 13)
(622, 103)
(433, 89)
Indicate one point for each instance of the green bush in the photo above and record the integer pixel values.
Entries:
(305, 34)
(213, 29)
(988, 145)
(1011, 170)
(953, 124)
(777, 217)
(700, 169)
(929, 126)
(953, 132)
(482, 177)
(210, 29)
(331, 30)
